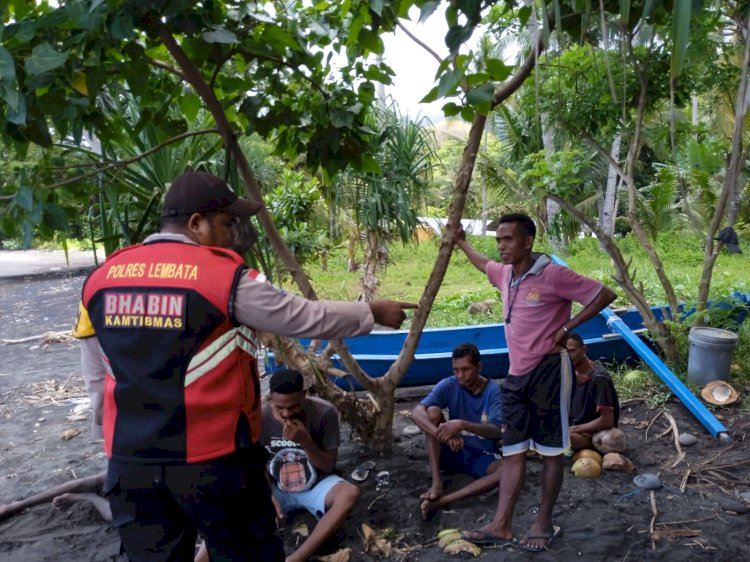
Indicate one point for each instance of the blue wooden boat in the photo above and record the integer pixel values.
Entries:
(377, 351)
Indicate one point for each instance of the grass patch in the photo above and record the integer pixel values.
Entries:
(410, 267)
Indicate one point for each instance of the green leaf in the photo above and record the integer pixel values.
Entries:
(427, 10)
(467, 114)
(648, 7)
(16, 110)
(456, 37)
(680, 36)
(43, 59)
(7, 68)
(523, 15)
(55, 217)
(278, 38)
(190, 105)
(431, 96)
(625, 11)
(220, 35)
(377, 6)
(484, 93)
(451, 109)
(122, 26)
(24, 198)
(448, 83)
(497, 69)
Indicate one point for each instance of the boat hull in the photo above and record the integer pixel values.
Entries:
(377, 351)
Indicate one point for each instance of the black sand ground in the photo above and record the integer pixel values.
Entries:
(42, 395)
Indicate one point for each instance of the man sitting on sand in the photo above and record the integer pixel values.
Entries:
(302, 435)
(593, 405)
(468, 443)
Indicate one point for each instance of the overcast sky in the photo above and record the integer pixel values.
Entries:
(415, 68)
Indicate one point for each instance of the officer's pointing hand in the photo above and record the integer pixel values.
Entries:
(390, 313)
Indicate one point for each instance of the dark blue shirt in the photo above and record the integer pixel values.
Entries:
(484, 407)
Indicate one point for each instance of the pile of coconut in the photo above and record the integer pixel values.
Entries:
(607, 454)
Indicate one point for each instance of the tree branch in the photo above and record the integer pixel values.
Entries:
(419, 42)
(165, 66)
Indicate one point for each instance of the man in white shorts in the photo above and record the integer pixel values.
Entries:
(302, 436)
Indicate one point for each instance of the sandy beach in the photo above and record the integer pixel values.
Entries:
(699, 514)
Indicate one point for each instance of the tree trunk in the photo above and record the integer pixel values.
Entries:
(552, 208)
(659, 331)
(735, 162)
(362, 417)
(608, 208)
(370, 262)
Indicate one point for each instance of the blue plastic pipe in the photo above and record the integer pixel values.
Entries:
(691, 402)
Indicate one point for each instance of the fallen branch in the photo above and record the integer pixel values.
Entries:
(676, 433)
(46, 337)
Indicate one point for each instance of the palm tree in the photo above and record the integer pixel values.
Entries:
(381, 205)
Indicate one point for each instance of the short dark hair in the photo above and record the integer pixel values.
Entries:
(469, 350)
(576, 338)
(524, 222)
(286, 381)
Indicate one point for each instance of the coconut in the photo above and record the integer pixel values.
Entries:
(587, 454)
(586, 468)
(635, 376)
(618, 462)
(609, 441)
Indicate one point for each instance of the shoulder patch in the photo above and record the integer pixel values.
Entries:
(83, 327)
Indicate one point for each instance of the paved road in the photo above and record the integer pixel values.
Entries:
(17, 264)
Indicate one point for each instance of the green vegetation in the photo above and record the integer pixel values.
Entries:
(410, 267)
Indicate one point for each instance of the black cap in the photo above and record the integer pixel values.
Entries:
(286, 381)
(199, 192)
(729, 237)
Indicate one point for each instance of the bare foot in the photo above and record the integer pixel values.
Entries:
(100, 504)
(537, 540)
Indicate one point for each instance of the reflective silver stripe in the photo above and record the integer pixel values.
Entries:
(242, 338)
(105, 362)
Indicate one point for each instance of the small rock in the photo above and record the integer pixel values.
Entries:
(68, 434)
(687, 439)
(482, 307)
(733, 506)
(411, 429)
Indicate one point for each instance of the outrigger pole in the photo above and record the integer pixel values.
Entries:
(691, 402)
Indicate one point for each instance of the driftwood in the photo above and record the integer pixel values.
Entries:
(46, 337)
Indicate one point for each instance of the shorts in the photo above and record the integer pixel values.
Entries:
(473, 462)
(158, 509)
(313, 500)
(536, 407)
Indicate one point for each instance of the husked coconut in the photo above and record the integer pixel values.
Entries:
(586, 468)
(609, 441)
(587, 453)
(618, 462)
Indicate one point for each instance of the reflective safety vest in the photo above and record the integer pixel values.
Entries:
(182, 372)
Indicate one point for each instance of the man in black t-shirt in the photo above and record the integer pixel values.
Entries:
(301, 434)
(593, 405)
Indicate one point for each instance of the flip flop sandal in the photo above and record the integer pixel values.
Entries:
(361, 473)
(383, 481)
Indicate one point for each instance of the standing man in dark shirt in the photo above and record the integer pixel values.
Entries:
(594, 405)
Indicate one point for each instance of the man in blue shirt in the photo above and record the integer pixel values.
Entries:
(468, 443)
